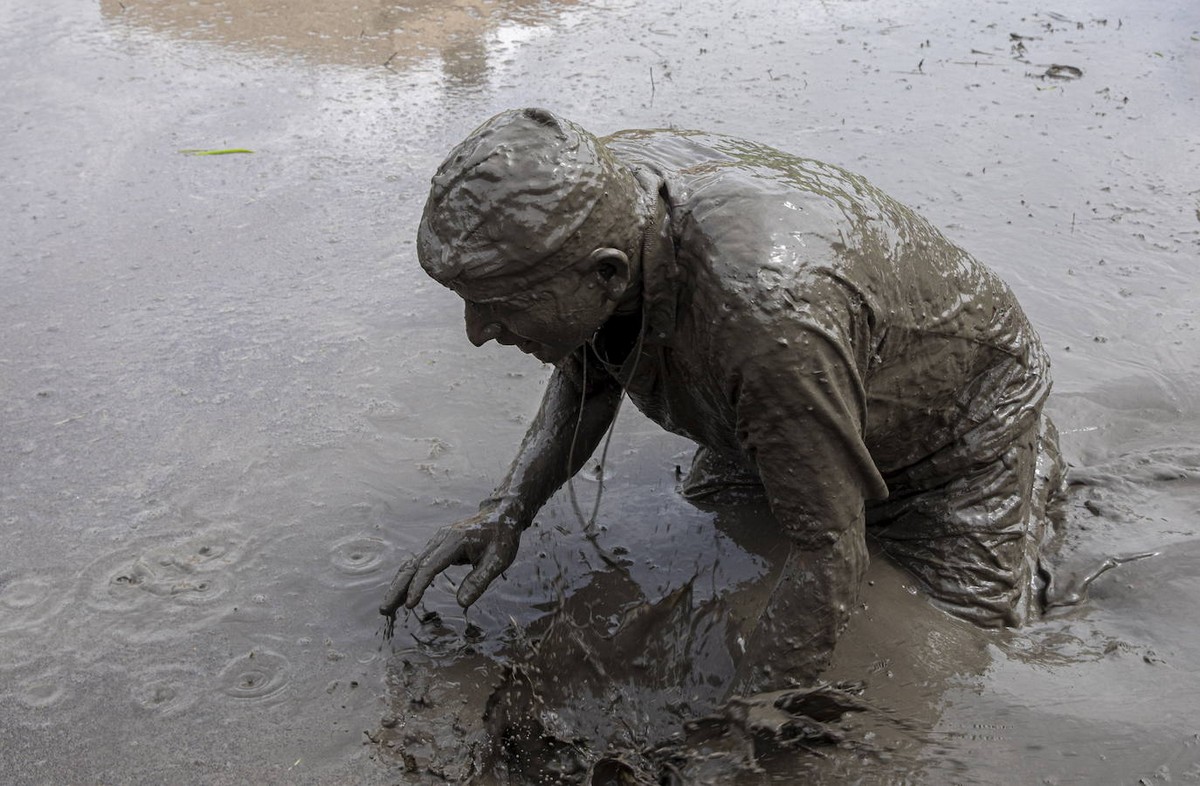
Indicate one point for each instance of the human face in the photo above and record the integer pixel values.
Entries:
(549, 319)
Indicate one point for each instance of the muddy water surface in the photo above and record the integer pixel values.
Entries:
(229, 401)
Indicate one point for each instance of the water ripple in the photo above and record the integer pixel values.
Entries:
(27, 601)
(157, 590)
(45, 698)
(357, 561)
(255, 676)
(168, 689)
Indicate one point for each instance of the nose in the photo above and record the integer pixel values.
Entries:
(479, 330)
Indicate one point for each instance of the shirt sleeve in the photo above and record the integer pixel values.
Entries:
(800, 410)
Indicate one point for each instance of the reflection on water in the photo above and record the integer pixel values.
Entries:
(397, 35)
(626, 672)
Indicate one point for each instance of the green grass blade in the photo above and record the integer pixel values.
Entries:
(225, 152)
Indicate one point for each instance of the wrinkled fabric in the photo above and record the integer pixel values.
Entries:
(977, 540)
(807, 326)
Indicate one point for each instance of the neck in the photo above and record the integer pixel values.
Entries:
(652, 215)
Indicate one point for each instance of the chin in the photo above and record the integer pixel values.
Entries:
(551, 355)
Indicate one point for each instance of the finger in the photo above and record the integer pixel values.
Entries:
(491, 564)
(398, 588)
(430, 565)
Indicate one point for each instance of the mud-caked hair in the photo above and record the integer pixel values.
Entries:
(525, 195)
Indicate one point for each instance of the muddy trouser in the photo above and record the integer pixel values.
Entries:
(978, 541)
(975, 538)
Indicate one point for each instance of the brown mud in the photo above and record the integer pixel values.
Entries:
(614, 685)
(231, 401)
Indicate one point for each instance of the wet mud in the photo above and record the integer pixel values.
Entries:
(619, 683)
(230, 401)
(614, 687)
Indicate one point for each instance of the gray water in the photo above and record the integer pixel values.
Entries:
(231, 401)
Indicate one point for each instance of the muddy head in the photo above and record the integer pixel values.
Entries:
(535, 224)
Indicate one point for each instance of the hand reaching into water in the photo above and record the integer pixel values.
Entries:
(487, 540)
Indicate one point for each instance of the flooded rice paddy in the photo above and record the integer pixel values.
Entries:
(230, 401)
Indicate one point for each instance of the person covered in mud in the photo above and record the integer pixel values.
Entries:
(820, 342)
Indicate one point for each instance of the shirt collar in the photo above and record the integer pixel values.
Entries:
(661, 273)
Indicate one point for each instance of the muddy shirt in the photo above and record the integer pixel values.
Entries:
(816, 329)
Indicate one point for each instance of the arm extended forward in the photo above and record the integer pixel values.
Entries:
(579, 404)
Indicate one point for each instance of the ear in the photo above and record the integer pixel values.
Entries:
(612, 270)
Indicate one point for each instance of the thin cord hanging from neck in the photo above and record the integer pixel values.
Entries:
(589, 523)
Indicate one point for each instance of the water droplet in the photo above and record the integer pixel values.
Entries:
(256, 675)
(356, 561)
